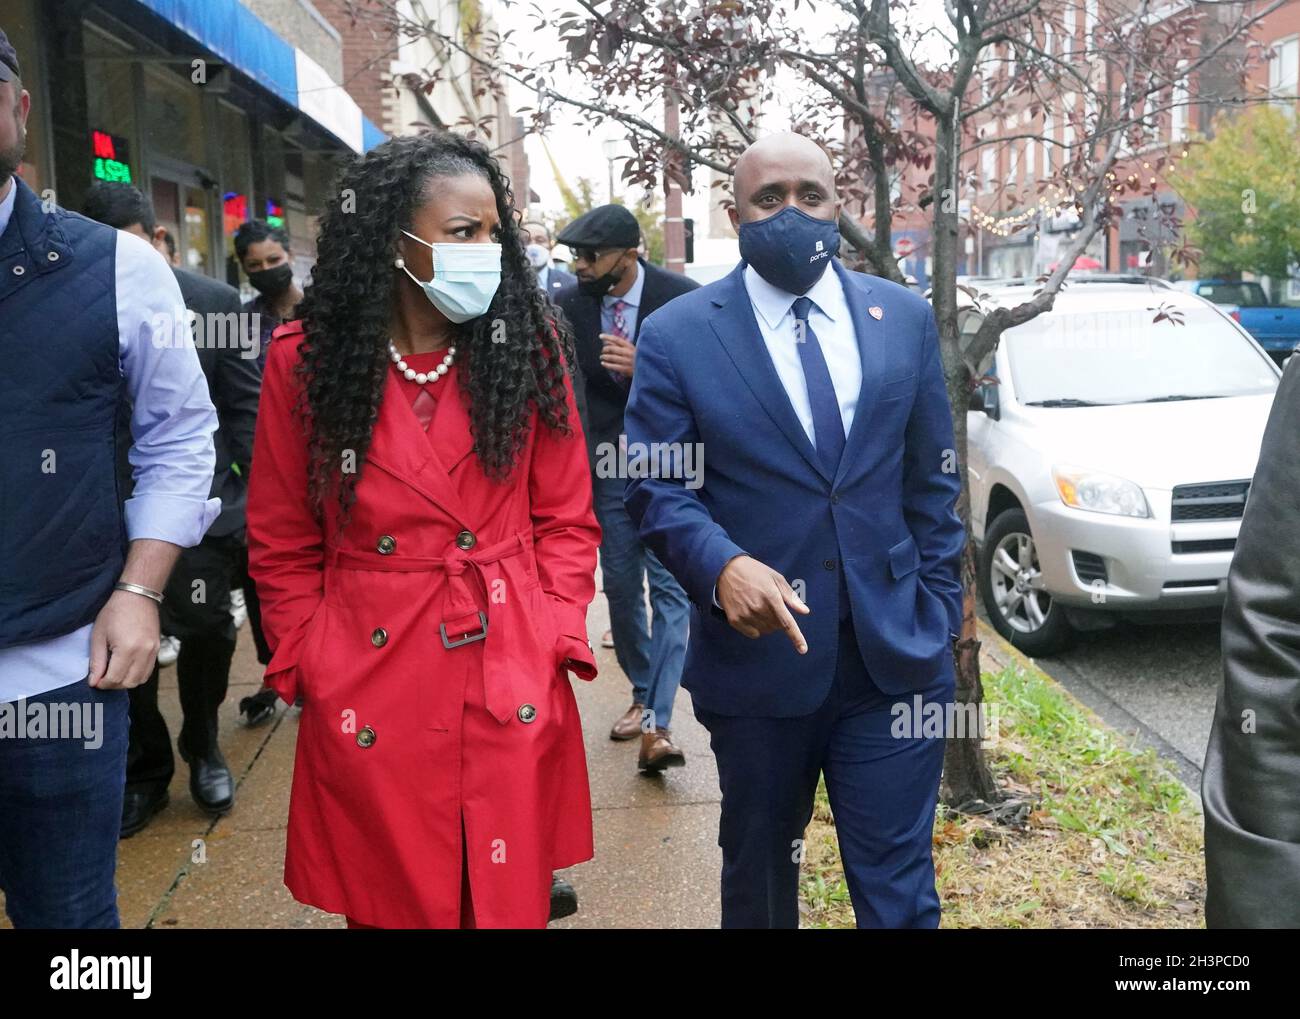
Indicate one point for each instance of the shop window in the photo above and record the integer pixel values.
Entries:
(112, 146)
(174, 117)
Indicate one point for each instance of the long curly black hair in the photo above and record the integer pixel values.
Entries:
(346, 313)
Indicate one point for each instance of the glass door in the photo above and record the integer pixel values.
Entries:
(186, 209)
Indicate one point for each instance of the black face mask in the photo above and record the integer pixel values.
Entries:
(600, 286)
(272, 282)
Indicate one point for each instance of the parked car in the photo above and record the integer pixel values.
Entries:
(1110, 459)
(1275, 326)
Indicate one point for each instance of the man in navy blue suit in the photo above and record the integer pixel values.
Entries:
(818, 543)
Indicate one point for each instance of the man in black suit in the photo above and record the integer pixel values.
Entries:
(550, 277)
(614, 292)
(196, 605)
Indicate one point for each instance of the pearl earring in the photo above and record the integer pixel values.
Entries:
(399, 263)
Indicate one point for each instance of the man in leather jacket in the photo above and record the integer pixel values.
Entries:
(1251, 782)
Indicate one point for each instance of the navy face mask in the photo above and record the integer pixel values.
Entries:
(790, 250)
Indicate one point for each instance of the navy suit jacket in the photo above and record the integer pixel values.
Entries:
(557, 279)
(887, 518)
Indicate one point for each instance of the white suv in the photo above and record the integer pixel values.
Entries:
(1109, 464)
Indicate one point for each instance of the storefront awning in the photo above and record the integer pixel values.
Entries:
(241, 39)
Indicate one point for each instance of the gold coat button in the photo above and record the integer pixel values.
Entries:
(386, 544)
(366, 738)
(527, 712)
(380, 637)
(466, 539)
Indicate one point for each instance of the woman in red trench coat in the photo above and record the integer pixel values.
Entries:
(423, 543)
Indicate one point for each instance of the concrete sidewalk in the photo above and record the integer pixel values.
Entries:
(656, 865)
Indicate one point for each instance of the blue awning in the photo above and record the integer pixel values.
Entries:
(243, 40)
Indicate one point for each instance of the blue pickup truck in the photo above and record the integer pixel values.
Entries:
(1275, 327)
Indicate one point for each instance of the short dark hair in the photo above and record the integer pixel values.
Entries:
(170, 241)
(254, 232)
(537, 222)
(119, 205)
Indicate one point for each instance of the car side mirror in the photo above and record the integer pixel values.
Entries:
(985, 398)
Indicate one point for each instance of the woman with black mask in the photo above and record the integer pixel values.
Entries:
(263, 253)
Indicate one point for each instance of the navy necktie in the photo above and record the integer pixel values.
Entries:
(828, 426)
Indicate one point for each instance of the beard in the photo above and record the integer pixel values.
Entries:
(12, 157)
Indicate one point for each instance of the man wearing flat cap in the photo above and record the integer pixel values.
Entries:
(614, 293)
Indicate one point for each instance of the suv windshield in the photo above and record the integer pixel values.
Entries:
(1124, 356)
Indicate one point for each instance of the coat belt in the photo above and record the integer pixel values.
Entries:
(498, 689)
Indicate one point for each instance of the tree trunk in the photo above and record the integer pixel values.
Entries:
(966, 775)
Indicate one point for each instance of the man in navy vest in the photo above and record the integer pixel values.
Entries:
(89, 317)
(821, 550)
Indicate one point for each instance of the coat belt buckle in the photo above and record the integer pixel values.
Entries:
(468, 638)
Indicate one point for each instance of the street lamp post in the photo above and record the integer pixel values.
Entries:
(610, 147)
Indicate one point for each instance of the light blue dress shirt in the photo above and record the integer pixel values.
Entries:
(633, 301)
(172, 424)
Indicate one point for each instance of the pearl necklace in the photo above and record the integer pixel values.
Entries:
(421, 377)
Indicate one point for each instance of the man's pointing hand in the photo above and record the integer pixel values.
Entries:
(757, 601)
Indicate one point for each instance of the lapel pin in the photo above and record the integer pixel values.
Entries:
(877, 312)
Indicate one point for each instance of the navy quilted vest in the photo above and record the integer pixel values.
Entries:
(62, 535)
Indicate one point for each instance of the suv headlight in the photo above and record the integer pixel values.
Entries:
(1101, 493)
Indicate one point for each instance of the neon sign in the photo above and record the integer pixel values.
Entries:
(234, 208)
(111, 155)
(274, 214)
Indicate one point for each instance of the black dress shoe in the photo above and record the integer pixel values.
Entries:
(211, 783)
(564, 900)
(139, 807)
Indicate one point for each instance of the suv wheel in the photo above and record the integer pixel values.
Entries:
(1010, 586)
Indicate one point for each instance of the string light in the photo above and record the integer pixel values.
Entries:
(1005, 226)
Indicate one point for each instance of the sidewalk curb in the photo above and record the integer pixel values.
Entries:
(1102, 709)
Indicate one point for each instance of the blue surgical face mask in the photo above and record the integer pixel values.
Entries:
(465, 277)
(790, 250)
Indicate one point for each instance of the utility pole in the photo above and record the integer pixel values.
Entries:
(674, 225)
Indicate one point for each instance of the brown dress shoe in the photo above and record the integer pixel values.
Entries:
(629, 726)
(658, 751)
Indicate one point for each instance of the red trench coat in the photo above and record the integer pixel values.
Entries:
(402, 739)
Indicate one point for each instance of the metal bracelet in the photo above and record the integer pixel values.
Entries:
(122, 585)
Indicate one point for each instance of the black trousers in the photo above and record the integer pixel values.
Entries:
(196, 609)
(252, 604)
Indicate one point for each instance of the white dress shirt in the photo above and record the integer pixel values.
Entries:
(830, 320)
(172, 424)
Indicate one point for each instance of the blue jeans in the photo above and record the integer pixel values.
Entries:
(883, 784)
(652, 658)
(61, 809)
